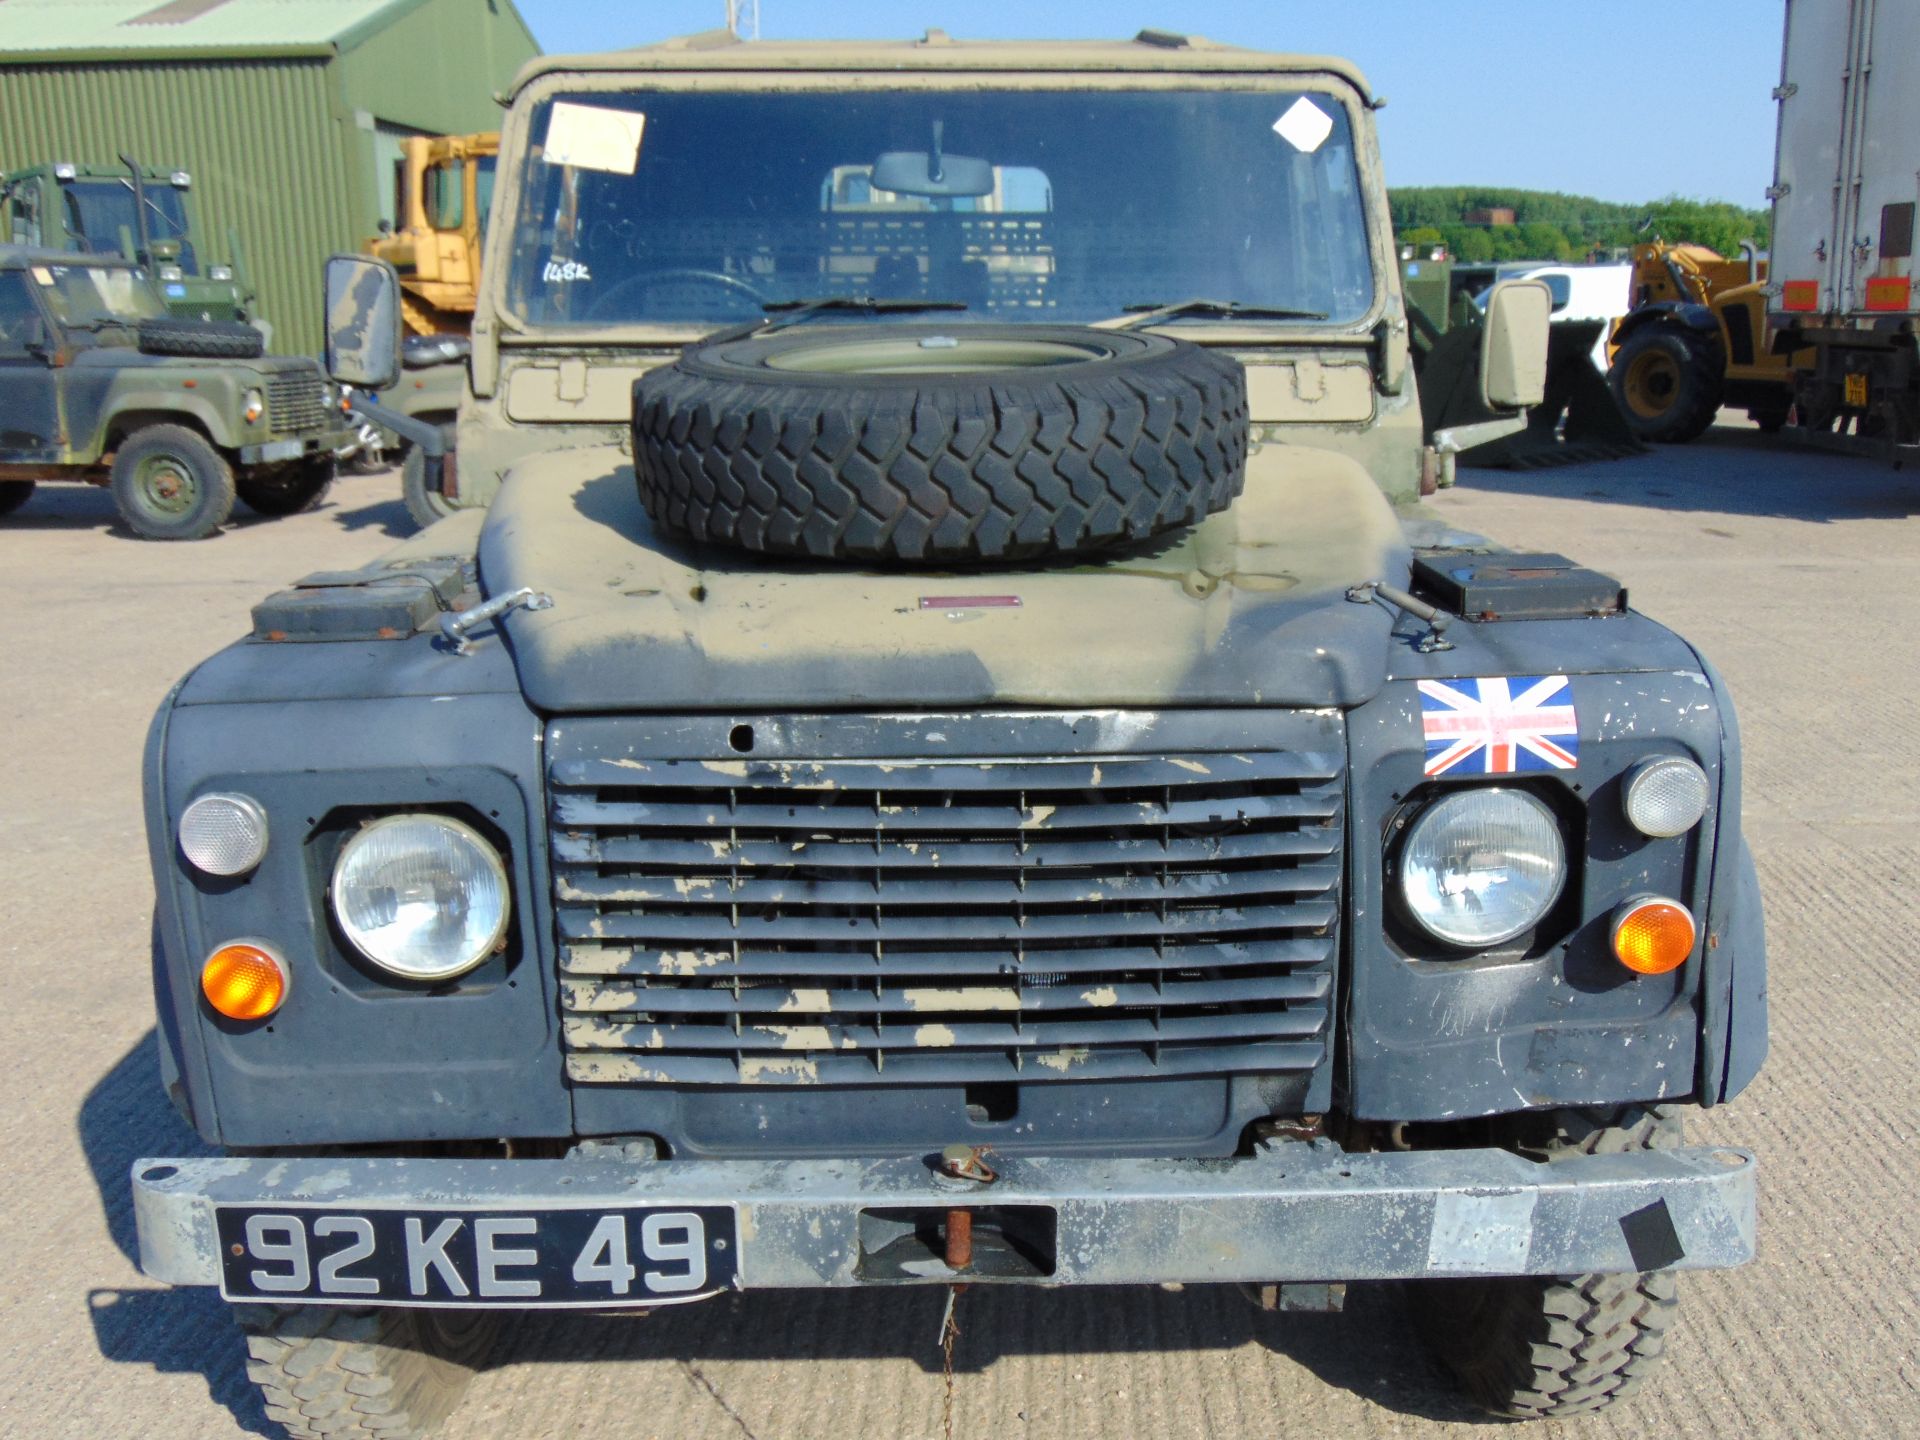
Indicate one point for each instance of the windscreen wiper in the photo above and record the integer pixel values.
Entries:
(792, 312)
(1151, 311)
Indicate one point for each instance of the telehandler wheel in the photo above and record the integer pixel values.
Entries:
(1669, 383)
(331, 1374)
(1529, 1347)
(290, 489)
(14, 494)
(921, 445)
(170, 484)
(426, 504)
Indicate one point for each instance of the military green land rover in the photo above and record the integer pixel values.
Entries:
(99, 383)
(951, 757)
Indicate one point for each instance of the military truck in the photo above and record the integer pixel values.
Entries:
(143, 212)
(98, 383)
(952, 758)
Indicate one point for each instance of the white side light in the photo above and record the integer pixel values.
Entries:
(224, 834)
(1666, 796)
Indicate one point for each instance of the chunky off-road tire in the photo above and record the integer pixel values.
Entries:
(329, 1374)
(1669, 382)
(170, 484)
(424, 503)
(289, 489)
(14, 494)
(919, 445)
(1531, 1347)
(203, 339)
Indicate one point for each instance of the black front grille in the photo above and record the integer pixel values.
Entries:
(848, 922)
(296, 402)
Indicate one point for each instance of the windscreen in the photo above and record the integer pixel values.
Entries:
(85, 296)
(1022, 205)
(98, 210)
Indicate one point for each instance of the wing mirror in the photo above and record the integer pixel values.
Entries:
(363, 321)
(1513, 345)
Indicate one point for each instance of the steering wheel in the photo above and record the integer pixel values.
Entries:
(737, 291)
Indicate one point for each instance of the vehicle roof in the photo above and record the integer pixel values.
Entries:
(19, 257)
(1151, 51)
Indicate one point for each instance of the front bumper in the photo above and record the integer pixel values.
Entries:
(1294, 1212)
(293, 447)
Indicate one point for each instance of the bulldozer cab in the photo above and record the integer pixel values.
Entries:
(444, 192)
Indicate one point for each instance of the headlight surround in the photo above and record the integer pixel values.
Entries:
(1482, 865)
(1665, 796)
(424, 897)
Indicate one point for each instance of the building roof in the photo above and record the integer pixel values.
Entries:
(159, 29)
(1150, 50)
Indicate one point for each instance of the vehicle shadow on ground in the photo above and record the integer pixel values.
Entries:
(1708, 475)
(64, 506)
(176, 1332)
(1369, 1349)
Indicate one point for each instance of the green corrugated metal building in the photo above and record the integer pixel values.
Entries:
(287, 113)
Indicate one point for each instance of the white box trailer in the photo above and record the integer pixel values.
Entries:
(1846, 184)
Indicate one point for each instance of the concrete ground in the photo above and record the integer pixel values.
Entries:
(1797, 573)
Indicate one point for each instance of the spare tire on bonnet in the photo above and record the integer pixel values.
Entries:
(200, 339)
(965, 444)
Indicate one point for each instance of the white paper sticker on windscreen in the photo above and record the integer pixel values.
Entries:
(1305, 126)
(594, 138)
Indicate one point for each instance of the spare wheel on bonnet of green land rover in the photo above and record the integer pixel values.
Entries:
(973, 443)
(203, 339)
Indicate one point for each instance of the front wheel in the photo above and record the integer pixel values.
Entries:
(336, 1373)
(170, 484)
(1669, 383)
(1529, 1347)
(14, 494)
(290, 489)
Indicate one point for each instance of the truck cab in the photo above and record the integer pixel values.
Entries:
(945, 751)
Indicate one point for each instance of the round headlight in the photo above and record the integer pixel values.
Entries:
(1666, 796)
(224, 834)
(1482, 865)
(421, 896)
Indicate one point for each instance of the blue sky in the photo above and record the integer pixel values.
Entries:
(1627, 100)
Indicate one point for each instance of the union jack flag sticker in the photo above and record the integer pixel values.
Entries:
(1500, 725)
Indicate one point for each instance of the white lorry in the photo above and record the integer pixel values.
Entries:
(1846, 182)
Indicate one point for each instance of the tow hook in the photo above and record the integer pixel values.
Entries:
(963, 1163)
(455, 628)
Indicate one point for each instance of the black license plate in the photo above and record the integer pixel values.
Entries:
(519, 1259)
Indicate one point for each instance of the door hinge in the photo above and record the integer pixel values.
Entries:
(1779, 192)
(1786, 91)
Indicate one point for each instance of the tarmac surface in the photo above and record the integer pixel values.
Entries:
(1797, 573)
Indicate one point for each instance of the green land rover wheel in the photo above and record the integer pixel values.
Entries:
(170, 484)
(14, 494)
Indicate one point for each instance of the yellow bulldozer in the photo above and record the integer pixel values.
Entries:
(1695, 339)
(446, 189)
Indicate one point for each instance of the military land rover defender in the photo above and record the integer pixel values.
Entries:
(951, 757)
(180, 417)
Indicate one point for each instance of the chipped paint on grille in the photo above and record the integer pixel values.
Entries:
(933, 1037)
(785, 1070)
(812, 1001)
(964, 997)
(1104, 996)
(1063, 1060)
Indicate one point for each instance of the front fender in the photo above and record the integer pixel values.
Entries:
(1667, 312)
(213, 411)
